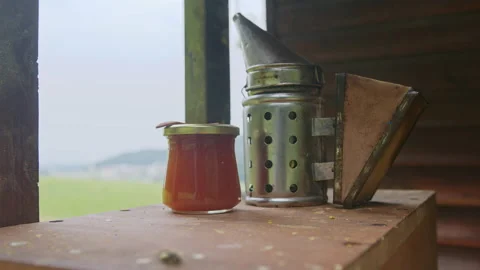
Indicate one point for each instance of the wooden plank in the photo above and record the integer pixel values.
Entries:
(458, 258)
(307, 16)
(18, 112)
(410, 37)
(427, 73)
(325, 237)
(424, 256)
(271, 11)
(454, 186)
(207, 68)
(459, 112)
(453, 114)
(447, 81)
(452, 147)
(439, 97)
(449, 147)
(459, 226)
(370, 131)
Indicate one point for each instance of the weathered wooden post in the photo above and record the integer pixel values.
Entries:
(18, 112)
(207, 69)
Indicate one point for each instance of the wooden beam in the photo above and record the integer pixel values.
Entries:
(442, 34)
(270, 6)
(18, 112)
(207, 68)
(459, 226)
(454, 185)
(396, 231)
(307, 16)
(458, 258)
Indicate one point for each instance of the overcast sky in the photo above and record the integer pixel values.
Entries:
(110, 70)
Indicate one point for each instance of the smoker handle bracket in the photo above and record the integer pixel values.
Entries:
(323, 126)
(323, 171)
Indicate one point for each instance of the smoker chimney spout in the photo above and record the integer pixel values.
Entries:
(261, 48)
(271, 66)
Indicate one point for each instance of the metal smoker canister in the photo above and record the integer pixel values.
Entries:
(285, 162)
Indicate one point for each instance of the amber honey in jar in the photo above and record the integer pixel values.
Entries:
(202, 174)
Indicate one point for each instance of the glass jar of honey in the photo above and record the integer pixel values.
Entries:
(202, 174)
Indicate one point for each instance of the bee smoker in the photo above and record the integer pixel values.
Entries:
(285, 127)
(285, 162)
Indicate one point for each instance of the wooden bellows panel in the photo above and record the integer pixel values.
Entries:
(374, 118)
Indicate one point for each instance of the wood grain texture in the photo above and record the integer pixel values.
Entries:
(271, 13)
(448, 82)
(248, 238)
(450, 147)
(452, 72)
(458, 258)
(404, 37)
(368, 106)
(424, 255)
(459, 226)
(454, 186)
(459, 112)
(427, 147)
(371, 128)
(430, 45)
(296, 15)
(18, 112)
(437, 35)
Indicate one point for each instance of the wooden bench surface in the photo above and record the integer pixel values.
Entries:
(322, 237)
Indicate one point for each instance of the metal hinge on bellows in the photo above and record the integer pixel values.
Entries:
(323, 126)
(323, 171)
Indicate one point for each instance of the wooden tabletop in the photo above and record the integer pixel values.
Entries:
(323, 237)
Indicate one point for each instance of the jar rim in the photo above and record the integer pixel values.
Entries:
(198, 129)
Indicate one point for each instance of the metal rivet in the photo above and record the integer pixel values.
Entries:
(293, 188)
(250, 188)
(292, 115)
(292, 139)
(268, 116)
(268, 188)
(268, 140)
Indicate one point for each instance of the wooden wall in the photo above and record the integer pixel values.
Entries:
(18, 112)
(432, 45)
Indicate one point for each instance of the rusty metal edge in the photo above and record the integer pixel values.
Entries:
(379, 150)
(341, 81)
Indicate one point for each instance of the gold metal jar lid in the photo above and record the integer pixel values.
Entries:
(192, 129)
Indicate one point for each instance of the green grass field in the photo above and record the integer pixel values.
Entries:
(63, 198)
